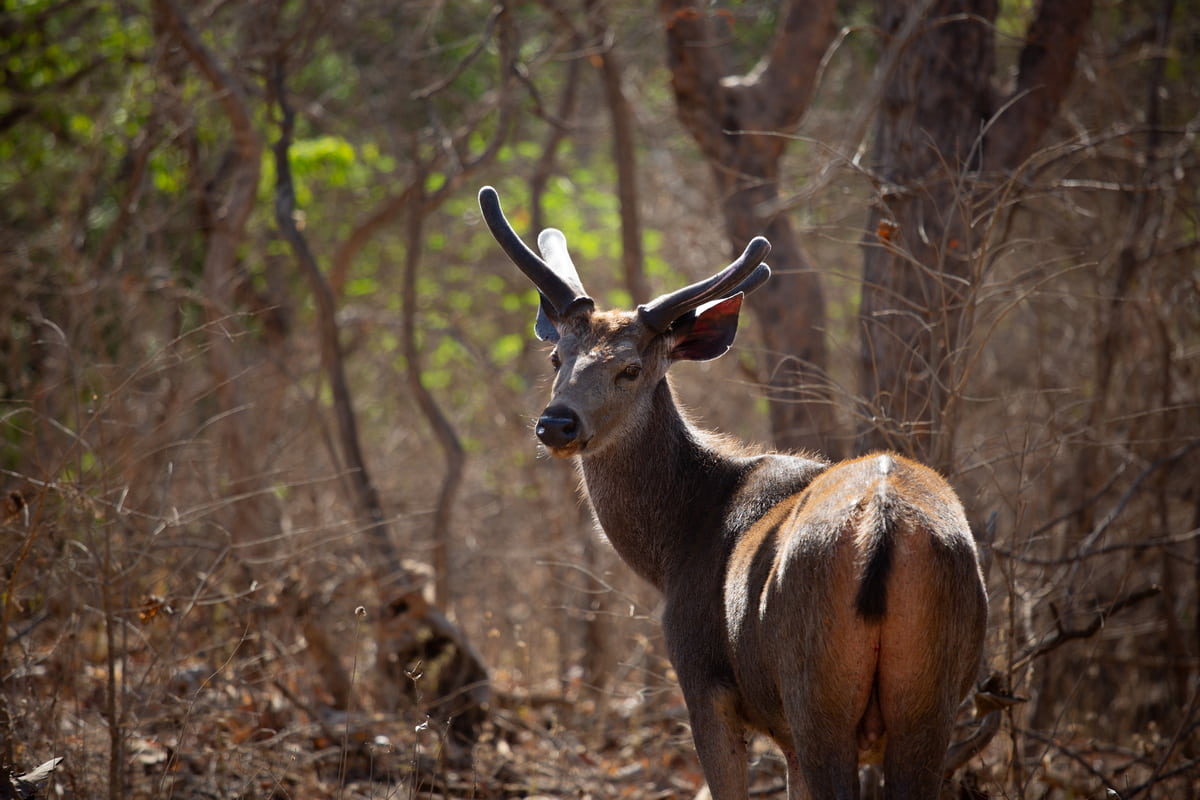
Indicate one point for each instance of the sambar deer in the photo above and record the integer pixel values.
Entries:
(837, 608)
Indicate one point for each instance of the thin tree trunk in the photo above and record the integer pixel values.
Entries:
(621, 117)
(737, 122)
(598, 656)
(367, 503)
(413, 201)
(559, 127)
(442, 428)
(1129, 260)
(597, 653)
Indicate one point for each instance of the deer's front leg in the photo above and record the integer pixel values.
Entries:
(719, 735)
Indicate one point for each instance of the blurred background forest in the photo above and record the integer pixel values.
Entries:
(274, 521)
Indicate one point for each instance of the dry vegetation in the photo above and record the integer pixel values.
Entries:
(196, 598)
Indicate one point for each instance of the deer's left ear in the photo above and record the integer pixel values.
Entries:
(708, 333)
(546, 325)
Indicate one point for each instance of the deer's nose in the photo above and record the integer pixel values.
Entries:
(557, 427)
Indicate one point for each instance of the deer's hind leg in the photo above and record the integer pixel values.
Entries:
(824, 764)
(914, 757)
(918, 697)
(825, 712)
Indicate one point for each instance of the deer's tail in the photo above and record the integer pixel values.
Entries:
(871, 600)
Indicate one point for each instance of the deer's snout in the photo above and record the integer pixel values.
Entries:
(558, 428)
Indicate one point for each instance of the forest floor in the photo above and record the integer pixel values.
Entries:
(235, 701)
(233, 741)
(226, 738)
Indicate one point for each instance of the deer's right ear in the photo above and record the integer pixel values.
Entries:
(544, 326)
(709, 332)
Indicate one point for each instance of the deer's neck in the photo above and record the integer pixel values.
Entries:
(662, 494)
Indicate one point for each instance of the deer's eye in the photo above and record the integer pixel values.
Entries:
(555, 361)
(631, 371)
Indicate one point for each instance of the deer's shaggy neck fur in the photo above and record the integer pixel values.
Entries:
(670, 490)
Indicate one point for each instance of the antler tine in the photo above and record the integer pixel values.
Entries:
(557, 281)
(756, 279)
(743, 275)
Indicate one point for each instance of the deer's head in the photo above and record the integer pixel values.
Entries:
(608, 363)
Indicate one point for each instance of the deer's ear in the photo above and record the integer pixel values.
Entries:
(544, 326)
(708, 333)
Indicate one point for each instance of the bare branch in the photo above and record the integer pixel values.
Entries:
(1188, 725)
(1062, 635)
(442, 428)
(449, 78)
(1079, 759)
(229, 92)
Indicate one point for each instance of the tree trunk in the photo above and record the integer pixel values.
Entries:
(725, 114)
(938, 153)
(917, 265)
(632, 259)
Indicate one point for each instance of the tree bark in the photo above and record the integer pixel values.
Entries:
(943, 141)
(740, 124)
(632, 257)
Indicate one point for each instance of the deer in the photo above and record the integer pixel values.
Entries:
(837, 608)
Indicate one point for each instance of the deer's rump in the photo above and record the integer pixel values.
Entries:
(849, 608)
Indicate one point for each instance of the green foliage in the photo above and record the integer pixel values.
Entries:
(168, 172)
(362, 286)
(1013, 18)
(321, 167)
(75, 78)
(330, 159)
(506, 349)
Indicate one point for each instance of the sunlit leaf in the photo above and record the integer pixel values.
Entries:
(507, 348)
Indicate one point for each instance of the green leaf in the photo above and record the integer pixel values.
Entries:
(507, 348)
